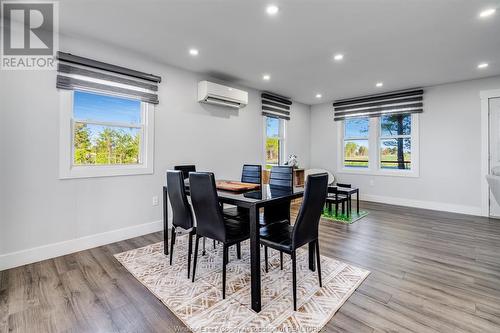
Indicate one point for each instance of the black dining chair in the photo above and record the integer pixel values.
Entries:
(281, 176)
(347, 199)
(186, 169)
(251, 173)
(211, 222)
(334, 198)
(286, 238)
(280, 179)
(182, 215)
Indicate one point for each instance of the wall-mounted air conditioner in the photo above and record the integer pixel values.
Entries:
(213, 93)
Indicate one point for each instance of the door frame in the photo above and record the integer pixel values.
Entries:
(486, 95)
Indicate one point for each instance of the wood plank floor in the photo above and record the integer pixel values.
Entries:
(431, 272)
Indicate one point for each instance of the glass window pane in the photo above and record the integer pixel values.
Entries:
(272, 127)
(395, 154)
(356, 128)
(101, 145)
(272, 151)
(356, 153)
(92, 106)
(392, 125)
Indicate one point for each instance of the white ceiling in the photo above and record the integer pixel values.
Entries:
(404, 43)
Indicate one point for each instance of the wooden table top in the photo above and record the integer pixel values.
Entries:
(234, 186)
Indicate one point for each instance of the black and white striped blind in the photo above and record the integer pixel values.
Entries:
(78, 73)
(275, 106)
(397, 102)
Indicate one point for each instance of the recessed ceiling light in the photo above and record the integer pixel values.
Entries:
(266, 77)
(194, 52)
(379, 84)
(319, 95)
(272, 10)
(482, 65)
(338, 57)
(487, 12)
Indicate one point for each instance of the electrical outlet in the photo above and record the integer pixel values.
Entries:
(155, 201)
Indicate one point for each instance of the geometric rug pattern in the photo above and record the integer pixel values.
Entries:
(200, 306)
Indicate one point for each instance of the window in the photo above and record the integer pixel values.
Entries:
(106, 129)
(109, 135)
(395, 142)
(356, 143)
(274, 141)
(385, 145)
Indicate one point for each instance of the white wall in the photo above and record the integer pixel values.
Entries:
(38, 209)
(450, 151)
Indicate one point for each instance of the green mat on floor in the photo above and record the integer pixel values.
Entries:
(342, 218)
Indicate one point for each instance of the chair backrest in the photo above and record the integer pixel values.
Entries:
(251, 173)
(306, 226)
(182, 216)
(209, 218)
(281, 176)
(331, 177)
(343, 185)
(186, 169)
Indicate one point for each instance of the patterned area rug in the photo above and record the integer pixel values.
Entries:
(201, 307)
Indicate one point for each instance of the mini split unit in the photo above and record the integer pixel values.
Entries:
(213, 93)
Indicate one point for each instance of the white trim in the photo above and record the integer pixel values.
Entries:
(23, 257)
(485, 132)
(69, 171)
(494, 93)
(106, 123)
(432, 205)
(485, 96)
(283, 145)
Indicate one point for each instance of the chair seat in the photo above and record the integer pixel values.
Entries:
(236, 230)
(277, 236)
(334, 199)
(243, 216)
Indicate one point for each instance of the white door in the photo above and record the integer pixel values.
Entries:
(494, 121)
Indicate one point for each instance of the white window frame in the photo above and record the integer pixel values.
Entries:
(67, 168)
(282, 141)
(374, 145)
(367, 138)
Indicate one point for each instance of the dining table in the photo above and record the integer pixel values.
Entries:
(253, 200)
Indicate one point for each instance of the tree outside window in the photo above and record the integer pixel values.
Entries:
(395, 141)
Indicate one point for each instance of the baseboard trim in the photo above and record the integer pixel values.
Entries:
(28, 256)
(433, 205)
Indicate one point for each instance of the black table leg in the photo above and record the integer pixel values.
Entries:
(289, 206)
(255, 258)
(312, 265)
(357, 201)
(165, 221)
(349, 202)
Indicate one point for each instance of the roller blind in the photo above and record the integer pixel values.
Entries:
(78, 73)
(397, 102)
(276, 106)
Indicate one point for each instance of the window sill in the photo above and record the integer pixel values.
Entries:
(104, 171)
(390, 173)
